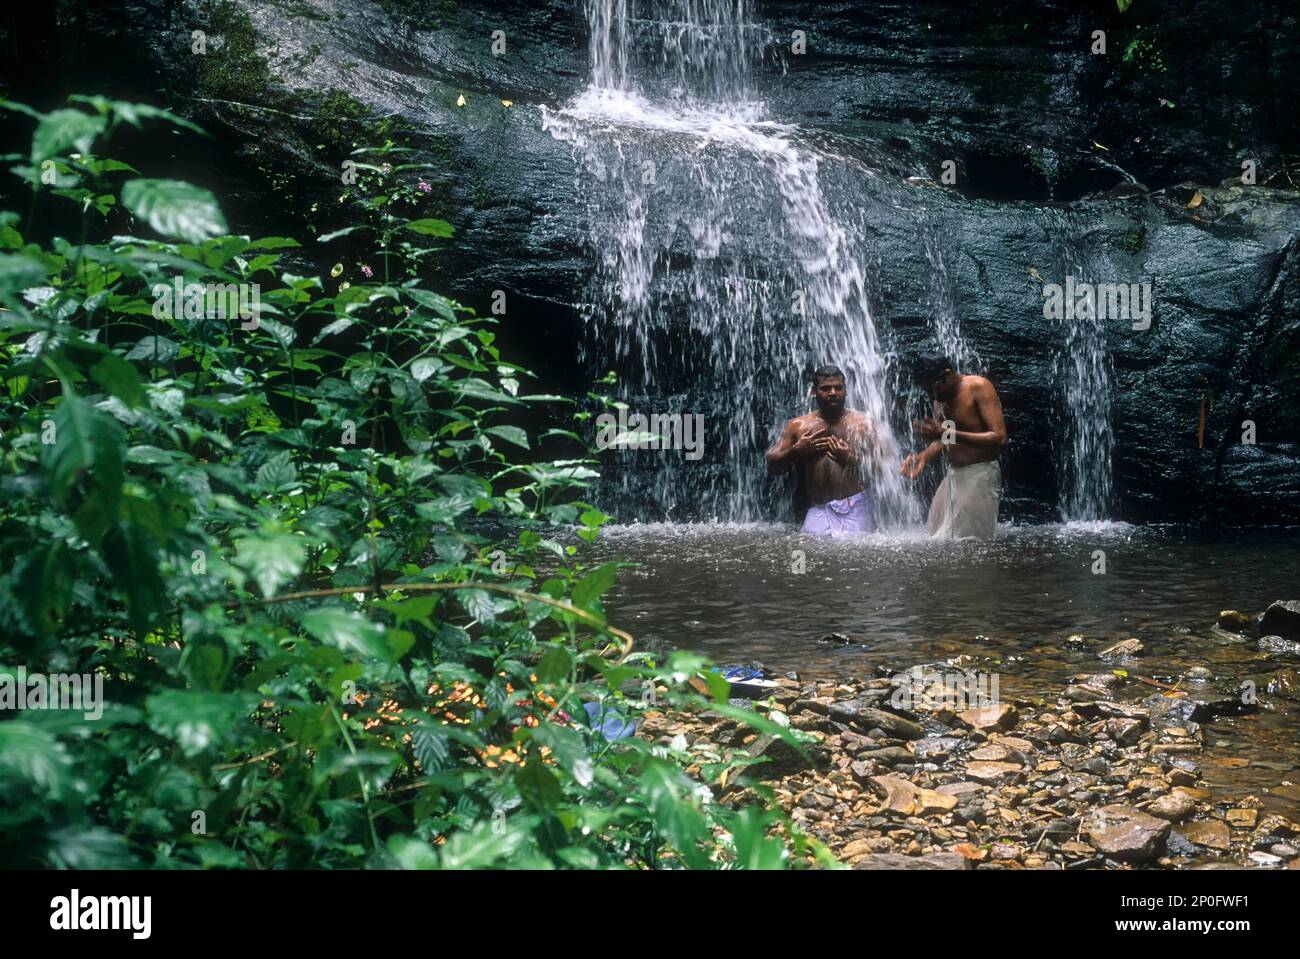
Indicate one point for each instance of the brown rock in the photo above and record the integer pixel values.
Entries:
(859, 847)
(997, 718)
(960, 789)
(1125, 833)
(987, 772)
(1233, 621)
(938, 860)
(902, 797)
(1175, 807)
(1242, 818)
(1209, 833)
(1122, 650)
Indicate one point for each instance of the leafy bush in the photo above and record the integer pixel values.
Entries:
(336, 602)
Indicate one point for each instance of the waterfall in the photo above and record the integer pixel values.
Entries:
(723, 274)
(1083, 371)
(941, 295)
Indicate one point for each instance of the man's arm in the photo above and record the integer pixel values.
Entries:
(915, 463)
(793, 446)
(779, 459)
(986, 402)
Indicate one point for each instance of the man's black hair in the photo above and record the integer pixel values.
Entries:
(829, 371)
(929, 367)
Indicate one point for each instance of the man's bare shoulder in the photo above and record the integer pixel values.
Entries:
(803, 422)
(980, 385)
(858, 421)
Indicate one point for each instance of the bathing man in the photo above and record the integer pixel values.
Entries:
(967, 427)
(829, 447)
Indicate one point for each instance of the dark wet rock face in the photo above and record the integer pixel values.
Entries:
(1282, 619)
(889, 91)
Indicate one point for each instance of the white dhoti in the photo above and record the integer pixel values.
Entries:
(840, 516)
(966, 503)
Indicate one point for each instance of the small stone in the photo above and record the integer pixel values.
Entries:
(937, 748)
(855, 713)
(1264, 859)
(1126, 732)
(1199, 673)
(1122, 651)
(1278, 644)
(938, 860)
(991, 718)
(1288, 791)
(1210, 833)
(991, 772)
(960, 789)
(1242, 818)
(1002, 850)
(1233, 621)
(908, 800)
(859, 847)
(1285, 682)
(1174, 807)
(991, 753)
(1285, 850)
(1125, 833)
(889, 756)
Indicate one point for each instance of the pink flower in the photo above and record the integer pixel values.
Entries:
(424, 187)
(366, 271)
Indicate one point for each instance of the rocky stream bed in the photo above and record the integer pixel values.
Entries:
(1107, 772)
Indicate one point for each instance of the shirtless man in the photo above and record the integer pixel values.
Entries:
(966, 503)
(828, 446)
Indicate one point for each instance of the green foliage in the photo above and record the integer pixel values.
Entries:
(232, 68)
(337, 620)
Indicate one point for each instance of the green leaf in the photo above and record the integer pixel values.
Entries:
(592, 586)
(555, 665)
(755, 849)
(64, 131)
(346, 630)
(120, 379)
(175, 209)
(86, 442)
(34, 755)
(155, 349)
(273, 243)
(325, 238)
(197, 721)
(427, 227)
(511, 434)
(133, 555)
(272, 559)
(568, 749)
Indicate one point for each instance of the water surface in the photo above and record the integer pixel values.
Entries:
(734, 592)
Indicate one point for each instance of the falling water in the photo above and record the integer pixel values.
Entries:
(941, 295)
(722, 272)
(1083, 370)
